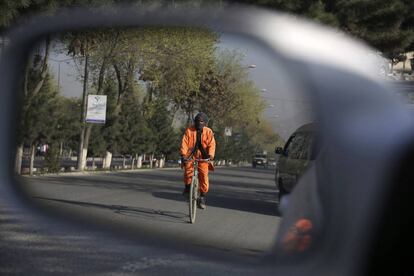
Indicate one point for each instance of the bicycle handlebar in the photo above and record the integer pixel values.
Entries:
(197, 159)
(202, 160)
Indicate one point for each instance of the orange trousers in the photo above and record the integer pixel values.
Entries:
(202, 175)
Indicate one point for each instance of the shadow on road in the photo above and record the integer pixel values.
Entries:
(161, 215)
(241, 204)
(141, 182)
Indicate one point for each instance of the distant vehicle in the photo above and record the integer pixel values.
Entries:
(42, 149)
(295, 157)
(272, 162)
(259, 160)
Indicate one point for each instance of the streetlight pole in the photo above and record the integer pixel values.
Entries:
(59, 62)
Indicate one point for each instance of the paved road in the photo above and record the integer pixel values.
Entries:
(240, 220)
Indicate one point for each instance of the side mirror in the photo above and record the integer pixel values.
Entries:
(279, 150)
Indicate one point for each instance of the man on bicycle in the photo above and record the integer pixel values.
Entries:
(198, 141)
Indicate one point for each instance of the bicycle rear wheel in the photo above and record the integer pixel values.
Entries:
(193, 199)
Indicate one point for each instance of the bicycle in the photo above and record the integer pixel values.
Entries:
(194, 194)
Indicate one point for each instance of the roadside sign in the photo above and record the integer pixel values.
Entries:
(227, 131)
(96, 111)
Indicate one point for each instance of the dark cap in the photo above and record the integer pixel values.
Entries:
(201, 115)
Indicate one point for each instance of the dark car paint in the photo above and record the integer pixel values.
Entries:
(292, 163)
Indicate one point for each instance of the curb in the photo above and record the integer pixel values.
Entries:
(87, 173)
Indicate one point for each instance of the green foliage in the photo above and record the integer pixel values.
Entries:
(39, 118)
(377, 22)
(246, 141)
(68, 124)
(133, 134)
(98, 144)
(313, 9)
(13, 10)
(52, 160)
(150, 75)
(183, 73)
(9, 10)
(165, 138)
(386, 25)
(408, 22)
(109, 130)
(175, 60)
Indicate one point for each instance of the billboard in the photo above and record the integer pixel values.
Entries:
(96, 110)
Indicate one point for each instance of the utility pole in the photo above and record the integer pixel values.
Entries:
(80, 162)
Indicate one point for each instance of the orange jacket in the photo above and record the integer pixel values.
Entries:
(189, 140)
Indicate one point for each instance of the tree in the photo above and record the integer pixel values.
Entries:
(133, 136)
(408, 22)
(376, 22)
(38, 123)
(173, 62)
(96, 47)
(232, 100)
(165, 138)
(36, 72)
(313, 9)
(9, 10)
(66, 133)
(52, 159)
(385, 25)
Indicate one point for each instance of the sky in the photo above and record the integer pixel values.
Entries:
(286, 107)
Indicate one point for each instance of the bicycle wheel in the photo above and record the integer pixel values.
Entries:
(193, 199)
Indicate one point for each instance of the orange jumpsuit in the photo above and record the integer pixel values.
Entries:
(187, 145)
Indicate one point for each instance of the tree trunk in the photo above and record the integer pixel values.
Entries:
(61, 149)
(403, 70)
(133, 161)
(43, 73)
(80, 165)
(93, 163)
(151, 160)
(86, 144)
(139, 161)
(107, 160)
(18, 160)
(123, 162)
(81, 160)
(86, 130)
(30, 94)
(162, 162)
(32, 156)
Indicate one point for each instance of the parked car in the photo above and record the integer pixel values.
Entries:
(259, 160)
(295, 157)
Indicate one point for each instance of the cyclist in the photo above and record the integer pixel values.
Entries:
(198, 141)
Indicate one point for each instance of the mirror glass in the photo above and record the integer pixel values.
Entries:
(102, 123)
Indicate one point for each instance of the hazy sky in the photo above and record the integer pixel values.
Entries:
(287, 108)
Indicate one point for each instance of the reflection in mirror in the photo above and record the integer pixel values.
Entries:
(120, 100)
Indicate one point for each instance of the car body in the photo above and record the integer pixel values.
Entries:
(259, 160)
(295, 157)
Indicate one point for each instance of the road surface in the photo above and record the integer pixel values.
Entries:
(241, 220)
